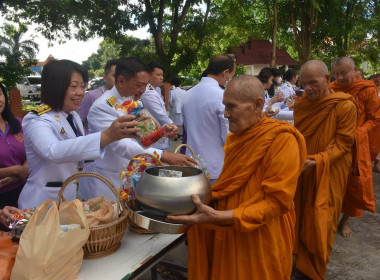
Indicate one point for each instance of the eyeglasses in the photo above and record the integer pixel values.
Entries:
(76, 88)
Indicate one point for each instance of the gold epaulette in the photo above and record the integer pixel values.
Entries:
(112, 100)
(42, 109)
(150, 87)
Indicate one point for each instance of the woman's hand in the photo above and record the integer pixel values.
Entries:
(7, 213)
(178, 159)
(123, 127)
(8, 181)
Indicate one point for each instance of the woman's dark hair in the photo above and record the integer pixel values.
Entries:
(14, 125)
(128, 67)
(55, 80)
(271, 90)
(290, 74)
(265, 75)
(276, 72)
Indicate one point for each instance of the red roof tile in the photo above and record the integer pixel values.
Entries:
(259, 52)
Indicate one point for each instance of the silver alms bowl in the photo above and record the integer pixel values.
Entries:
(168, 195)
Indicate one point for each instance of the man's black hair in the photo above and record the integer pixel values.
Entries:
(220, 63)
(128, 67)
(176, 82)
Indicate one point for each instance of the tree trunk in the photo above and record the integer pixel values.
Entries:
(274, 35)
(308, 18)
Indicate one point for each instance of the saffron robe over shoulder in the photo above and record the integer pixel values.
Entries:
(258, 182)
(374, 139)
(359, 193)
(328, 126)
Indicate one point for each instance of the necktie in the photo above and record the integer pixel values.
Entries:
(71, 122)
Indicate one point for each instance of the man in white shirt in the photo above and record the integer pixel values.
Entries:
(203, 114)
(153, 102)
(131, 79)
(176, 97)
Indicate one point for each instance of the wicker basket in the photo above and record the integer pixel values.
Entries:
(187, 146)
(104, 239)
(131, 225)
(191, 151)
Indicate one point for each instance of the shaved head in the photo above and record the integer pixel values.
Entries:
(344, 60)
(344, 71)
(246, 88)
(315, 79)
(244, 101)
(319, 66)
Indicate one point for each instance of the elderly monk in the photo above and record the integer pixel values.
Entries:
(249, 231)
(359, 193)
(374, 135)
(327, 120)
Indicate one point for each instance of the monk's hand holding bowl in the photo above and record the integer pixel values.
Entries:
(203, 214)
(309, 163)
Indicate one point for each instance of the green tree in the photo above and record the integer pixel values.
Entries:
(123, 47)
(168, 22)
(19, 54)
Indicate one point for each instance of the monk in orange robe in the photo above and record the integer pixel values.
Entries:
(374, 135)
(359, 193)
(249, 231)
(327, 120)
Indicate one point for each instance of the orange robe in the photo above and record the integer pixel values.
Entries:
(374, 139)
(328, 126)
(359, 193)
(258, 182)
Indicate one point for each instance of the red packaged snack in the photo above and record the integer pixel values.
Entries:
(150, 130)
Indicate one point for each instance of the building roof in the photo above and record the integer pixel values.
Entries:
(50, 57)
(259, 52)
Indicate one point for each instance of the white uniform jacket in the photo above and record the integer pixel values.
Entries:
(287, 90)
(116, 155)
(154, 103)
(176, 96)
(53, 152)
(206, 127)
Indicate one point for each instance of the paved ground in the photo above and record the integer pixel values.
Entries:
(354, 258)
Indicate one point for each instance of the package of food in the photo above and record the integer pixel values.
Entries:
(99, 211)
(201, 164)
(169, 173)
(150, 130)
(133, 172)
(19, 220)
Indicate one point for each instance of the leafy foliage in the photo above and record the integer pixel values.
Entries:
(19, 54)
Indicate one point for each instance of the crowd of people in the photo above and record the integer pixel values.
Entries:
(278, 189)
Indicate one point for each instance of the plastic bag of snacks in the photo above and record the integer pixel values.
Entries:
(201, 164)
(150, 130)
(19, 220)
(133, 172)
(99, 211)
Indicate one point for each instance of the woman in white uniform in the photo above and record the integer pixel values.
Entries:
(53, 134)
(290, 78)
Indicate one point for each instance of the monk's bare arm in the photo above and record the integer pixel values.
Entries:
(204, 214)
(346, 113)
(372, 109)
